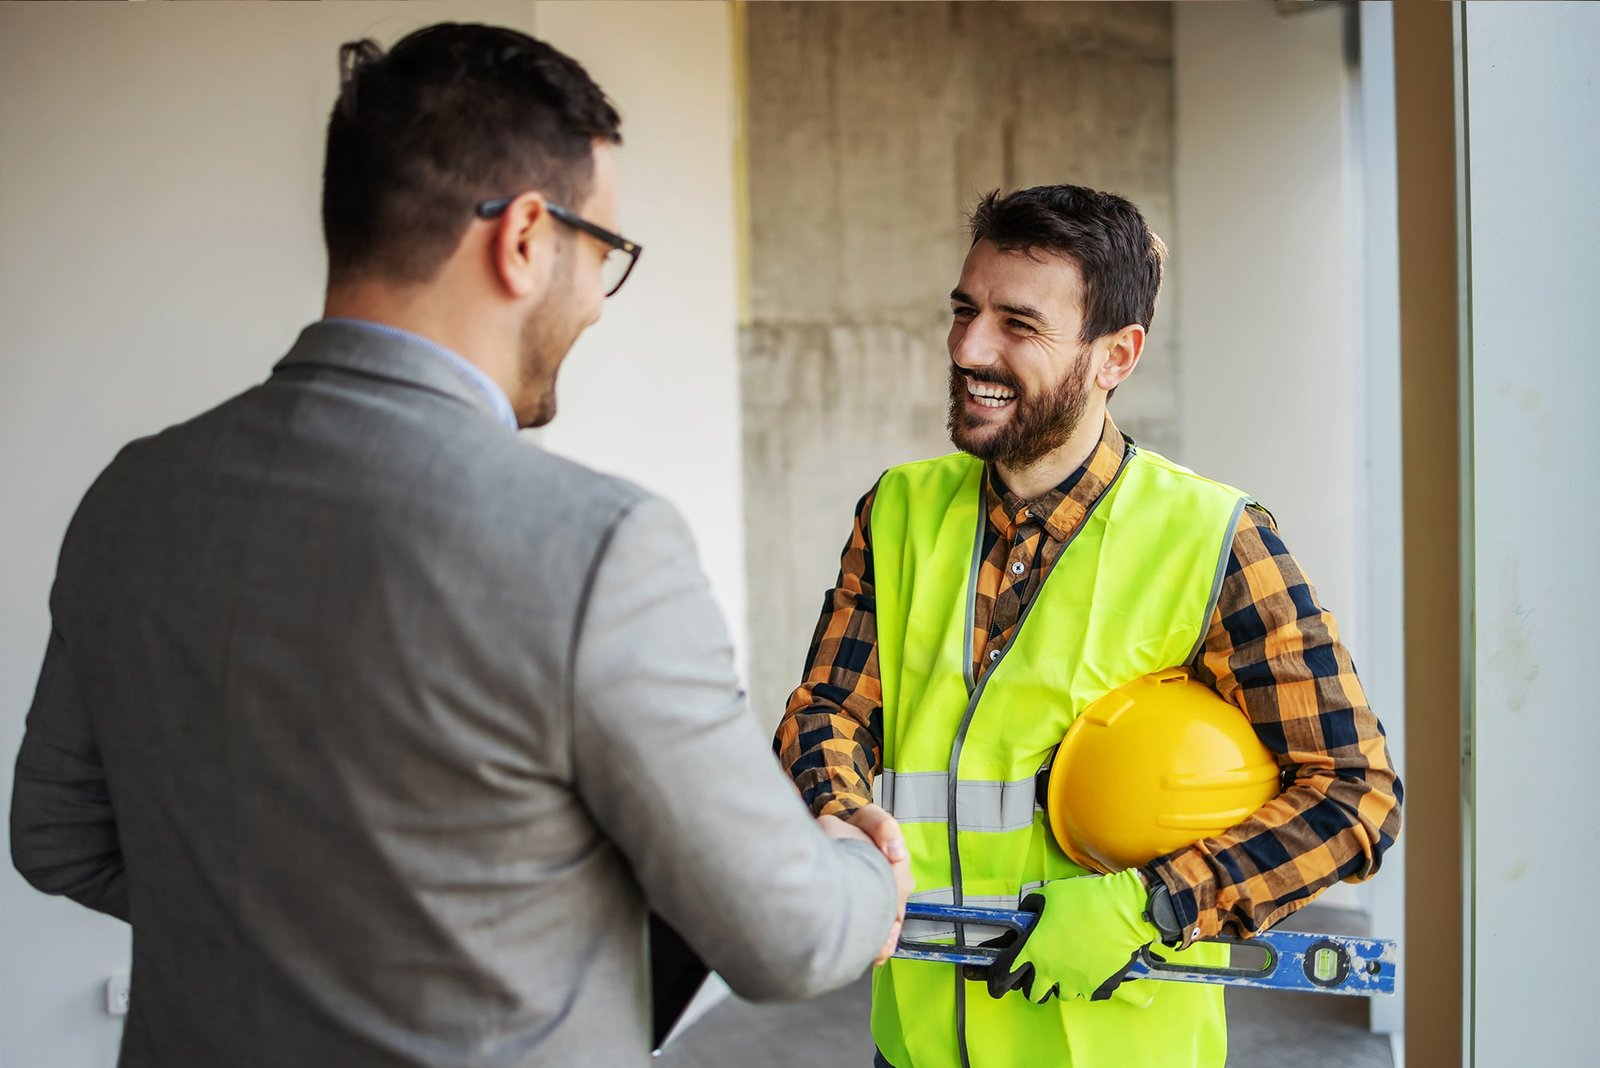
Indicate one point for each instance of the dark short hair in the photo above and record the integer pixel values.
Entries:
(1118, 256)
(450, 116)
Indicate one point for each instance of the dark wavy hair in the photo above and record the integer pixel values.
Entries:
(1118, 256)
(451, 115)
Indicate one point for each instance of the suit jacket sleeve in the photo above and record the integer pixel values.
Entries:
(63, 832)
(675, 770)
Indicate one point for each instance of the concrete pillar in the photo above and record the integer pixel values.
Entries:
(872, 130)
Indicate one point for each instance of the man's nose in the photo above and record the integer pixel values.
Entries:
(975, 345)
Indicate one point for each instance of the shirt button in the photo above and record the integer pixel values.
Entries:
(1027, 514)
(1018, 567)
(994, 654)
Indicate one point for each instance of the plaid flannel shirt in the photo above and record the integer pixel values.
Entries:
(1270, 648)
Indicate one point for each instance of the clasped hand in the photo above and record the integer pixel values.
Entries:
(1089, 933)
(873, 824)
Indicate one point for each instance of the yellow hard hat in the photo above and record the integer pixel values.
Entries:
(1152, 766)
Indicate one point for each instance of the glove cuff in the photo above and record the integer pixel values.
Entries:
(1134, 902)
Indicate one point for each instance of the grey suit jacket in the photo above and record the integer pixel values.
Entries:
(383, 727)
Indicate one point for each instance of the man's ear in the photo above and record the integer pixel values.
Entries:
(519, 246)
(1122, 353)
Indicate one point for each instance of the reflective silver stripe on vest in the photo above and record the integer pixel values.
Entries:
(981, 805)
(933, 931)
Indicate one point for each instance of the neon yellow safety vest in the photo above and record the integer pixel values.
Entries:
(1132, 592)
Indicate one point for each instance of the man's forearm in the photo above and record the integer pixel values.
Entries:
(1272, 650)
(63, 831)
(831, 757)
(63, 835)
(1306, 839)
(830, 740)
(674, 770)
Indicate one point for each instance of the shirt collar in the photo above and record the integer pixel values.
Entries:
(1063, 508)
(470, 372)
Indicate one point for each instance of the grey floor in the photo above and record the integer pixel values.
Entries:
(1265, 1028)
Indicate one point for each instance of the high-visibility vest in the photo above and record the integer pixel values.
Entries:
(1133, 592)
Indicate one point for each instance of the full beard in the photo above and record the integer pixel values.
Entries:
(1039, 424)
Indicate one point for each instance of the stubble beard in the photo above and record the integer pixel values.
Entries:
(1039, 423)
(538, 373)
(546, 340)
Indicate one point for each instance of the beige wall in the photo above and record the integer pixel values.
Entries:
(159, 249)
(872, 129)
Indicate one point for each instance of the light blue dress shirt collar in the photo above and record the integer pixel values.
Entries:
(470, 372)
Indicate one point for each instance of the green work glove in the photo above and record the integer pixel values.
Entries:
(1089, 932)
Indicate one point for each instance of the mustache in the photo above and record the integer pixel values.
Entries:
(993, 377)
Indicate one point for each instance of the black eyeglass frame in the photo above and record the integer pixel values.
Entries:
(490, 209)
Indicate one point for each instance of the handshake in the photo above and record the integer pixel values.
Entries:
(1087, 938)
(873, 824)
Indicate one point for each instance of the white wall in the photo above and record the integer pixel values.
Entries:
(1264, 261)
(1533, 148)
(159, 249)
(1260, 265)
(1380, 601)
(652, 390)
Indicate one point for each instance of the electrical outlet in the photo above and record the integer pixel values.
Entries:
(117, 995)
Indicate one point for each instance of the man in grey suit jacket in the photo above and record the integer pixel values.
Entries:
(382, 727)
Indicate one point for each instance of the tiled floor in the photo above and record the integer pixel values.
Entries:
(1265, 1028)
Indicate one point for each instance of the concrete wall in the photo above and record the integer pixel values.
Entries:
(159, 248)
(872, 130)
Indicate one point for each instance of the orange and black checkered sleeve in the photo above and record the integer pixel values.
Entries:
(1275, 652)
(830, 740)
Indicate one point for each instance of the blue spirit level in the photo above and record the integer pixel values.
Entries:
(1274, 960)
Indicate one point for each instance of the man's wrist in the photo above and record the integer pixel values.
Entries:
(1159, 911)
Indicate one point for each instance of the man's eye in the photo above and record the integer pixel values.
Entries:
(961, 313)
(1018, 324)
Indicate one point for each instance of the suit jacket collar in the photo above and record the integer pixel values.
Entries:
(344, 347)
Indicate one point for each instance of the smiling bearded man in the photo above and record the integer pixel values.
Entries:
(987, 597)
(1039, 424)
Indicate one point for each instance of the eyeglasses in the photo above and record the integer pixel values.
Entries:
(618, 262)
